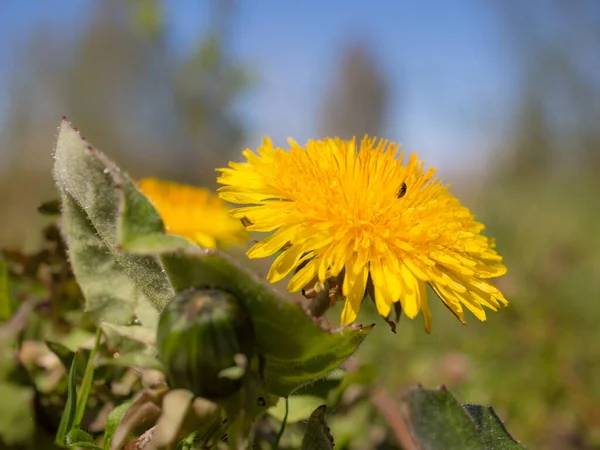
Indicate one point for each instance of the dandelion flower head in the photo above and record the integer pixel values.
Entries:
(360, 214)
(193, 213)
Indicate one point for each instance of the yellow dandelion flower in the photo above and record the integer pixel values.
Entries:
(193, 213)
(360, 215)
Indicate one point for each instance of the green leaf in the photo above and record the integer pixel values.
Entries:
(86, 384)
(323, 386)
(300, 407)
(75, 340)
(365, 375)
(438, 422)
(16, 421)
(112, 422)
(296, 349)
(79, 438)
(331, 388)
(130, 338)
(317, 436)
(117, 286)
(5, 303)
(68, 415)
(353, 428)
(189, 443)
(491, 429)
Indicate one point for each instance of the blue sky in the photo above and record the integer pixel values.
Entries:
(450, 64)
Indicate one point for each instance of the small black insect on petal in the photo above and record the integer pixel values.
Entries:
(246, 222)
(402, 190)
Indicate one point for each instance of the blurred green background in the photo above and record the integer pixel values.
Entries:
(502, 95)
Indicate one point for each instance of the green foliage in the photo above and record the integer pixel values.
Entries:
(69, 432)
(491, 429)
(201, 332)
(113, 421)
(79, 438)
(68, 416)
(32, 383)
(86, 384)
(90, 186)
(439, 422)
(131, 337)
(318, 435)
(16, 425)
(299, 408)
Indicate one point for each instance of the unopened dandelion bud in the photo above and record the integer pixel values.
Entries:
(199, 335)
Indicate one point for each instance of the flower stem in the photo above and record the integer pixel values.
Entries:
(283, 423)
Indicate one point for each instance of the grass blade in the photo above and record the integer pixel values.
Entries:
(68, 416)
(86, 384)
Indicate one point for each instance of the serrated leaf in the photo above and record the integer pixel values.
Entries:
(438, 422)
(491, 429)
(79, 438)
(112, 422)
(317, 436)
(117, 286)
(68, 415)
(93, 264)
